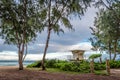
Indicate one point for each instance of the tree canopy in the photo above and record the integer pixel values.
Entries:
(19, 24)
(107, 28)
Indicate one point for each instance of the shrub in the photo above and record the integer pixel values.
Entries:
(67, 66)
(114, 64)
(50, 63)
(35, 64)
(98, 66)
(64, 65)
(93, 56)
(58, 65)
(75, 66)
(53, 63)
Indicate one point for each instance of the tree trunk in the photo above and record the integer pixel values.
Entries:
(20, 56)
(108, 67)
(110, 55)
(100, 60)
(110, 51)
(92, 66)
(48, 38)
(45, 51)
(114, 56)
(115, 47)
(20, 61)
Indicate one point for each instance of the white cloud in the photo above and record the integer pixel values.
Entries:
(9, 55)
(41, 45)
(80, 46)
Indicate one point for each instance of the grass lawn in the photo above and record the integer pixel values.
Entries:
(55, 70)
(101, 72)
(61, 71)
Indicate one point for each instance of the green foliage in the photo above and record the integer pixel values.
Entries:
(99, 72)
(66, 22)
(114, 64)
(34, 65)
(18, 22)
(74, 66)
(51, 63)
(93, 56)
(64, 65)
(98, 66)
(106, 31)
(83, 66)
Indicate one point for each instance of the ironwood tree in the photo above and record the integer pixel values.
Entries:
(57, 13)
(18, 24)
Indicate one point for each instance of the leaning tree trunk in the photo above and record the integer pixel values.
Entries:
(48, 38)
(45, 51)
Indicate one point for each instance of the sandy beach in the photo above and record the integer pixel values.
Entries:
(12, 73)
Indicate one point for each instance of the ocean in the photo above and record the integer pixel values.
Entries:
(13, 62)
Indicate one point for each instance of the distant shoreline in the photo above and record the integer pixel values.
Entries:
(14, 62)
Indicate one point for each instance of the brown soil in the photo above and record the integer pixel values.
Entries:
(12, 73)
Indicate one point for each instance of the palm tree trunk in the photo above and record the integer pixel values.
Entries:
(45, 51)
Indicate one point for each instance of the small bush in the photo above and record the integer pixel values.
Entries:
(67, 66)
(58, 65)
(35, 64)
(98, 66)
(50, 63)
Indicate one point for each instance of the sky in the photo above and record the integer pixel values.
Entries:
(59, 44)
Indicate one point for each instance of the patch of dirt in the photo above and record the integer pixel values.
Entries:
(12, 73)
(115, 72)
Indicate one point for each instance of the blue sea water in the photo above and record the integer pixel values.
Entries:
(13, 62)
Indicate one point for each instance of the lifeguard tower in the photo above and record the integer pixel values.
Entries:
(78, 54)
